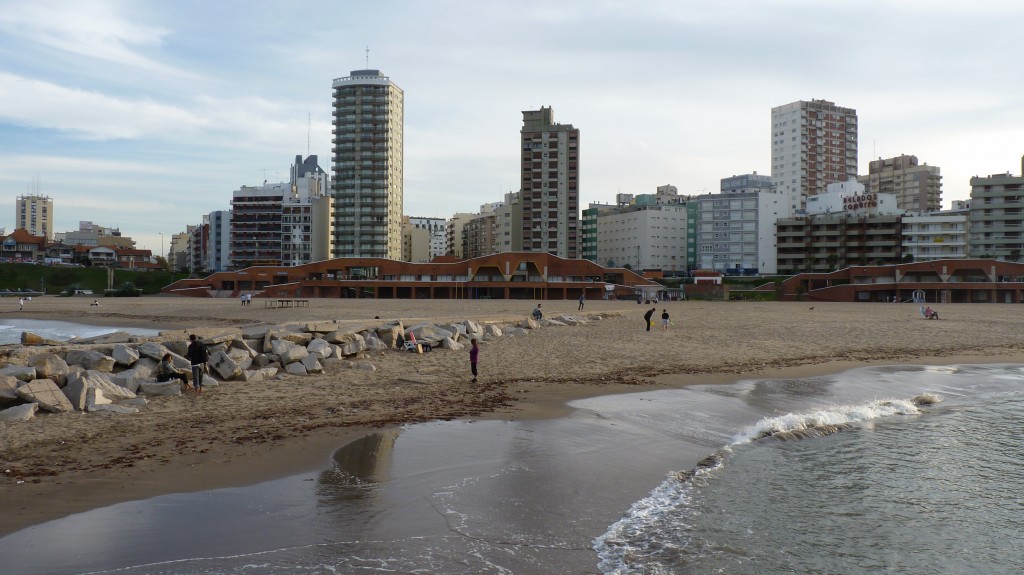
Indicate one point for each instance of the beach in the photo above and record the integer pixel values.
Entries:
(240, 434)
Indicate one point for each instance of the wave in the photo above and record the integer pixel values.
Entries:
(628, 544)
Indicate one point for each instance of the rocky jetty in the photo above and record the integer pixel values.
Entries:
(113, 374)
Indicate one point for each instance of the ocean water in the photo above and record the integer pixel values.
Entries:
(10, 330)
(850, 473)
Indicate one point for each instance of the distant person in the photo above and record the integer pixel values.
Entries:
(664, 320)
(197, 355)
(537, 314)
(95, 303)
(165, 371)
(243, 300)
(648, 316)
(930, 313)
(582, 301)
(474, 355)
(21, 303)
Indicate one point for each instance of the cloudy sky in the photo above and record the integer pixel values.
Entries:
(145, 115)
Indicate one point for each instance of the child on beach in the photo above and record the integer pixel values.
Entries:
(664, 320)
(474, 355)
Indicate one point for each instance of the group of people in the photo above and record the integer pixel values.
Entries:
(246, 299)
(664, 318)
(198, 354)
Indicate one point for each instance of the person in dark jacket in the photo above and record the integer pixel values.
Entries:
(197, 355)
(648, 316)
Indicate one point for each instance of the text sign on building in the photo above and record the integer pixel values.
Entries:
(860, 202)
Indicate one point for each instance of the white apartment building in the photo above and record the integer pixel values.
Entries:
(813, 144)
(302, 240)
(649, 236)
(997, 216)
(851, 195)
(218, 247)
(736, 230)
(935, 236)
(437, 234)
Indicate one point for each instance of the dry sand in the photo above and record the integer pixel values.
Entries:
(240, 433)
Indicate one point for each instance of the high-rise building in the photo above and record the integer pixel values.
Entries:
(256, 225)
(996, 221)
(367, 167)
(436, 233)
(550, 185)
(34, 213)
(813, 145)
(918, 188)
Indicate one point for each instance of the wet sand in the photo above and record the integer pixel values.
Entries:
(240, 433)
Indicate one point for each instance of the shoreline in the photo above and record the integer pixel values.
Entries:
(182, 445)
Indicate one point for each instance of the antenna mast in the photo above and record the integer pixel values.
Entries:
(367, 57)
(309, 120)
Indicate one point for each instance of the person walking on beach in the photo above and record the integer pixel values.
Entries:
(582, 300)
(648, 316)
(165, 371)
(21, 303)
(197, 355)
(664, 320)
(474, 355)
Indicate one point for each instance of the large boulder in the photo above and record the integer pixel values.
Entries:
(50, 366)
(356, 345)
(430, 332)
(311, 364)
(241, 344)
(148, 364)
(226, 367)
(130, 379)
(29, 338)
(449, 343)
(320, 348)
(17, 413)
(492, 330)
(91, 359)
(153, 350)
(241, 357)
(253, 375)
(177, 346)
(8, 388)
(459, 329)
(279, 346)
(106, 338)
(94, 397)
(295, 368)
(77, 392)
(151, 388)
(22, 372)
(389, 334)
(299, 338)
(516, 331)
(102, 381)
(472, 327)
(294, 354)
(109, 408)
(529, 323)
(341, 337)
(124, 355)
(46, 393)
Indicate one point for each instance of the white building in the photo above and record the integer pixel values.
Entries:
(437, 230)
(649, 236)
(302, 241)
(736, 230)
(935, 236)
(851, 196)
(218, 248)
(813, 144)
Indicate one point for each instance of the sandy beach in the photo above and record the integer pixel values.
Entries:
(240, 433)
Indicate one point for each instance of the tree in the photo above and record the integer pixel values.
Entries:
(163, 262)
(908, 258)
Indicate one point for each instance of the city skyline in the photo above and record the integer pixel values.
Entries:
(145, 116)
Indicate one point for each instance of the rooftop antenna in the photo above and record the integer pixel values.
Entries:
(309, 120)
(367, 57)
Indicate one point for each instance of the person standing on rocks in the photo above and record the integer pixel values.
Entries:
(474, 355)
(197, 355)
(648, 316)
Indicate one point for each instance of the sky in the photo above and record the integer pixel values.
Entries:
(146, 115)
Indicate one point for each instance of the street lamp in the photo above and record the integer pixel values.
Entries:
(162, 250)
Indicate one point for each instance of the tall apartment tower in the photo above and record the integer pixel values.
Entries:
(34, 214)
(918, 188)
(549, 185)
(814, 144)
(367, 167)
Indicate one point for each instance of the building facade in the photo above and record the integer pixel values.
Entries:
(256, 225)
(549, 182)
(918, 188)
(643, 237)
(813, 144)
(368, 155)
(218, 252)
(34, 214)
(935, 236)
(735, 229)
(302, 241)
(997, 216)
(437, 234)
